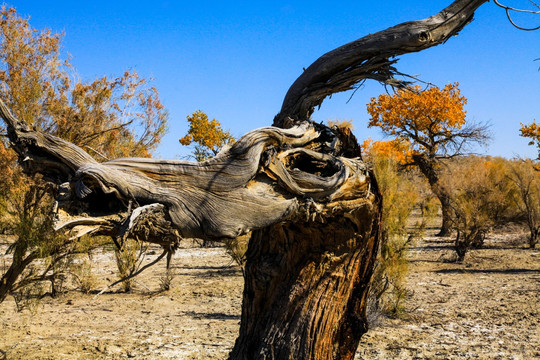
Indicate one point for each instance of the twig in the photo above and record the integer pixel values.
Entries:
(97, 152)
(144, 286)
(508, 9)
(517, 10)
(132, 275)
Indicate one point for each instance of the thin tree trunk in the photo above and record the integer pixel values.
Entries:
(533, 238)
(446, 211)
(428, 167)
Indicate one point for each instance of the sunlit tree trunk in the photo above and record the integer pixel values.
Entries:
(306, 287)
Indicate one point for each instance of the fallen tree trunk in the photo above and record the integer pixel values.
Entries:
(300, 188)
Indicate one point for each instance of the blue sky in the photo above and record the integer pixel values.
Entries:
(236, 60)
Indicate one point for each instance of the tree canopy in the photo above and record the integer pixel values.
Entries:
(112, 118)
(531, 131)
(207, 135)
(432, 123)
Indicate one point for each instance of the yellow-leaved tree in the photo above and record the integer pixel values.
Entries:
(208, 136)
(433, 123)
(531, 131)
(398, 149)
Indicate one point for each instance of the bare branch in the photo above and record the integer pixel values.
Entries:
(97, 152)
(131, 276)
(90, 137)
(518, 10)
(371, 57)
(508, 9)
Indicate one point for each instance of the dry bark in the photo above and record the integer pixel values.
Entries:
(301, 188)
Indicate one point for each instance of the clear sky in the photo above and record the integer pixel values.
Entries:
(235, 60)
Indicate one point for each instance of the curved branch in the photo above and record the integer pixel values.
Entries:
(267, 176)
(517, 10)
(508, 9)
(370, 58)
(131, 276)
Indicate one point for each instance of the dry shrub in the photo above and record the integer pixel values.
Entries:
(28, 297)
(165, 280)
(84, 277)
(399, 197)
(236, 248)
(129, 259)
(526, 178)
(38, 254)
(481, 198)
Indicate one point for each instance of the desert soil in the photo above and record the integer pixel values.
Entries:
(485, 308)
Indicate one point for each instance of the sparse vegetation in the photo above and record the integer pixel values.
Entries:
(481, 198)
(86, 280)
(389, 286)
(129, 258)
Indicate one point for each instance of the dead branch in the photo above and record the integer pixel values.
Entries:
(508, 9)
(131, 276)
(371, 57)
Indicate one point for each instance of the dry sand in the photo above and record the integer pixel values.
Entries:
(485, 308)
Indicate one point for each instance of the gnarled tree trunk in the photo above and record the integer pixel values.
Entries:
(306, 289)
(301, 188)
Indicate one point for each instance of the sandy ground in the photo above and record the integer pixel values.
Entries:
(485, 308)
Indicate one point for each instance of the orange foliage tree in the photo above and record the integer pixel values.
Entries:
(207, 135)
(397, 149)
(531, 131)
(109, 117)
(433, 123)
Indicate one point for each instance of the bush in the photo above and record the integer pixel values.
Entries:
(524, 175)
(85, 279)
(399, 197)
(28, 215)
(129, 259)
(481, 197)
(236, 248)
(39, 255)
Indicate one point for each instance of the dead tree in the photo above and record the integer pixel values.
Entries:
(301, 189)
